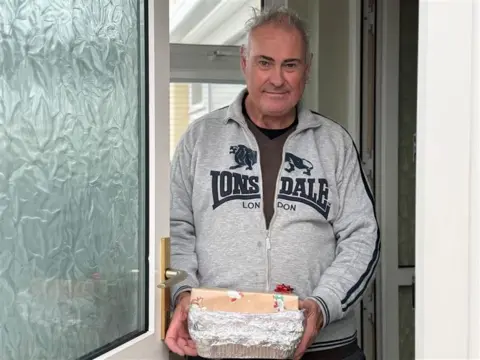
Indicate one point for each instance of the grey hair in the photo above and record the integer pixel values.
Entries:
(279, 16)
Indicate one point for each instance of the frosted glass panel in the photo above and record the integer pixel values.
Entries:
(72, 177)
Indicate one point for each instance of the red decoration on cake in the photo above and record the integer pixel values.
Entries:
(283, 289)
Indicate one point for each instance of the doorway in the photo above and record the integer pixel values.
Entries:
(395, 178)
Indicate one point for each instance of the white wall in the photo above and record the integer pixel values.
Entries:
(447, 315)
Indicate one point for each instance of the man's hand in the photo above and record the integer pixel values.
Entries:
(313, 324)
(177, 338)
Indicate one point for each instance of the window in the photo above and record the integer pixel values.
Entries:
(72, 178)
(205, 39)
(183, 112)
(196, 94)
(210, 22)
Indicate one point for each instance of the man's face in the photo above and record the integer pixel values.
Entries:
(275, 69)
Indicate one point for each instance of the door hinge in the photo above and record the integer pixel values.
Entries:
(370, 16)
(368, 168)
(413, 292)
(368, 306)
(414, 147)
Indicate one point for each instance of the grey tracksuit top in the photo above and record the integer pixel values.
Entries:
(323, 238)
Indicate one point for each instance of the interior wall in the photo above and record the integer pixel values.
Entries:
(329, 89)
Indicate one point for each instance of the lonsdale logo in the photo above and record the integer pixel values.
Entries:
(309, 191)
(227, 185)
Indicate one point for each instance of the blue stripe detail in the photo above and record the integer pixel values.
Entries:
(368, 274)
(360, 293)
(325, 307)
(333, 343)
(180, 290)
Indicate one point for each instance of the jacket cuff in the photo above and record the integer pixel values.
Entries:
(176, 294)
(329, 305)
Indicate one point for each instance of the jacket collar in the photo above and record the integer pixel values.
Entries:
(306, 118)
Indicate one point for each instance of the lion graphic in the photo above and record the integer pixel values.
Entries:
(295, 162)
(243, 156)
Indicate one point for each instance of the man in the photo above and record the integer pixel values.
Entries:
(266, 192)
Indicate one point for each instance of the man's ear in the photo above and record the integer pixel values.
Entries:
(243, 58)
(308, 67)
(309, 63)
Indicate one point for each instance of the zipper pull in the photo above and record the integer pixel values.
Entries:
(268, 242)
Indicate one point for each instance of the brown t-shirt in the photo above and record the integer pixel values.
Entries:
(270, 145)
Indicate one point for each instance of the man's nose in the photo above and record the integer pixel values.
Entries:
(276, 76)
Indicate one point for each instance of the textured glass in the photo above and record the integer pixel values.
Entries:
(72, 188)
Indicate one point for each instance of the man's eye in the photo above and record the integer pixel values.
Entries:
(291, 65)
(263, 63)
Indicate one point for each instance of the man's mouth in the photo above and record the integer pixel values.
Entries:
(276, 93)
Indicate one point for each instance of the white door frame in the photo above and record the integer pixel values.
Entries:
(447, 208)
(149, 346)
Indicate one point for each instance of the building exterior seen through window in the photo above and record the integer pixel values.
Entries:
(207, 22)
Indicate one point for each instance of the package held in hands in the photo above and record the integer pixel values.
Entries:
(226, 324)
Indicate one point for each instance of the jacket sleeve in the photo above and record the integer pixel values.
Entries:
(182, 228)
(343, 283)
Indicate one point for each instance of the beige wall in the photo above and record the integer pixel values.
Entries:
(179, 105)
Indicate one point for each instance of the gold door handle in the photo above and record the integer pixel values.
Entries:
(172, 277)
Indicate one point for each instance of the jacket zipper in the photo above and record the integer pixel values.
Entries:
(268, 237)
(268, 243)
(268, 246)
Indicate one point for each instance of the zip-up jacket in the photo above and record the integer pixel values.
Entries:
(323, 238)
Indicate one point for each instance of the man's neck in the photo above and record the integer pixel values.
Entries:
(269, 122)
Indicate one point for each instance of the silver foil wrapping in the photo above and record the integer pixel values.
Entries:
(227, 335)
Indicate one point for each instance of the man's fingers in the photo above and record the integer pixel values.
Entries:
(187, 346)
(191, 344)
(191, 351)
(173, 346)
(177, 338)
(308, 335)
(182, 342)
(302, 347)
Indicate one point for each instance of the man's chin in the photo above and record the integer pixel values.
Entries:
(279, 110)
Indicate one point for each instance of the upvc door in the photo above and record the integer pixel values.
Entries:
(83, 178)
